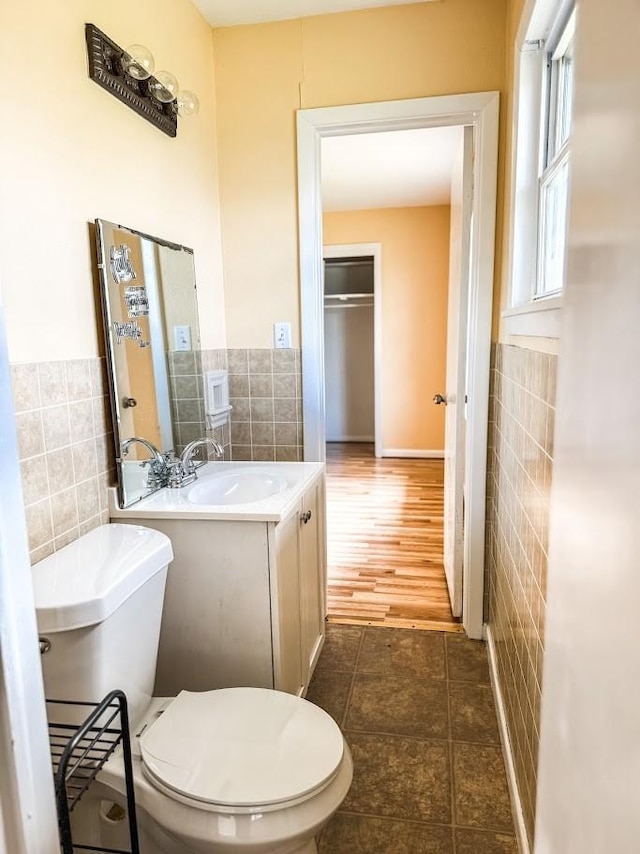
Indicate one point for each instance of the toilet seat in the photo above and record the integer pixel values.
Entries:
(241, 750)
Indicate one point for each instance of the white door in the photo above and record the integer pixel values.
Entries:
(454, 395)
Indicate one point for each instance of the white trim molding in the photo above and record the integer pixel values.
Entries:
(480, 111)
(409, 453)
(540, 318)
(28, 821)
(363, 439)
(514, 792)
(527, 315)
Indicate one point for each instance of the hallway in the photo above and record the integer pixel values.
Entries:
(385, 540)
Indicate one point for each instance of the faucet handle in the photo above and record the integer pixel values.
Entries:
(175, 474)
(189, 467)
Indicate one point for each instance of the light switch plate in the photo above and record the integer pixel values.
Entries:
(282, 336)
(182, 337)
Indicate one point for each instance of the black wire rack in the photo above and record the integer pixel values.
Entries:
(79, 751)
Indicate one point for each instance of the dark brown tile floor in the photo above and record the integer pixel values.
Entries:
(417, 711)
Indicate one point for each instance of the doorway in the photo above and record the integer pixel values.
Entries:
(352, 333)
(385, 540)
(349, 346)
(480, 112)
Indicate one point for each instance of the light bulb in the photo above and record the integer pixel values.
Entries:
(164, 87)
(187, 103)
(138, 62)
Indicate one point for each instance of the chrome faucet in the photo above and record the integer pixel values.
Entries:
(183, 471)
(158, 471)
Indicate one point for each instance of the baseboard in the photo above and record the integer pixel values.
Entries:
(518, 815)
(370, 439)
(417, 454)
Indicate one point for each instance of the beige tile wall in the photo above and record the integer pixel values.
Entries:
(66, 449)
(520, 465)
(265, 388)
(65, 436)
(265, 393)
(216, 360)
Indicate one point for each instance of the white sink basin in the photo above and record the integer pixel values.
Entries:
(243, 487)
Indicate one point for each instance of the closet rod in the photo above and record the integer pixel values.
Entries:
(358, 262)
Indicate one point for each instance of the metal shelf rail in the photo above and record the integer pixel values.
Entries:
(79, 751)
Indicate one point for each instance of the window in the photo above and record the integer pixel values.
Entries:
(553, 195)
(540, 181)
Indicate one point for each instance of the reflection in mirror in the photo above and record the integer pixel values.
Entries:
(150, 313)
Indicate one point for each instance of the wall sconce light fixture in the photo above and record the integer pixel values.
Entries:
(128, 74)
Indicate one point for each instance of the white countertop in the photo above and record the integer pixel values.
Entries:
(175, 503)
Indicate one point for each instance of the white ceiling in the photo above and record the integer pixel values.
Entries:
(387, 170)
(227, 13)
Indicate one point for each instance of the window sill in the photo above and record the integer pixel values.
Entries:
(537, 319)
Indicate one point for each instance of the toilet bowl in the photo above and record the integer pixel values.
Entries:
(268, 792)
(230, 770)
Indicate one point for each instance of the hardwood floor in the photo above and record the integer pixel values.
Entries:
(385, 540)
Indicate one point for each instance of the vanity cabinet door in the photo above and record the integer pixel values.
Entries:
(288, 674)
(312, 578)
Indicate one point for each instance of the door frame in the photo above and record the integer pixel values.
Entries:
(28, 820)
(360, 250)
(479, 110)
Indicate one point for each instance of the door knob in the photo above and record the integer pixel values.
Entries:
(305, 517)
(129, 402)
(440, 398)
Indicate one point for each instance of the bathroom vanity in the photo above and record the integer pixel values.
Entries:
(245, 596)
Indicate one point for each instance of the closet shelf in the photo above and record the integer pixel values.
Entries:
(345, 297)
(348, 301)
(79, 751)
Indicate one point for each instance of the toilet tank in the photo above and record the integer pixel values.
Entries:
(98, 605)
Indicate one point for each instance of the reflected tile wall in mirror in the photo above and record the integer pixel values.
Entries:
(187, 396)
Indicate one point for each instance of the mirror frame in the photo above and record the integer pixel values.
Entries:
(114, 402)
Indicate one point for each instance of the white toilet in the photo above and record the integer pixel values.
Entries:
(231, 770)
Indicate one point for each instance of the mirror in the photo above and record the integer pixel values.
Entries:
(150, 314)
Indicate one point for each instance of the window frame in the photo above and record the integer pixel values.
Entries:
(546, 31)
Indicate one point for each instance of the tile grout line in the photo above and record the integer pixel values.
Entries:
(44, 447)
(435, 738)
(343, 719)
(423, 823)
(416, 821)
(451, 769)
(353, 682)
(250, 406)
(273, 406)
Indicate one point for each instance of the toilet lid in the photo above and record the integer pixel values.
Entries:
(242, 747)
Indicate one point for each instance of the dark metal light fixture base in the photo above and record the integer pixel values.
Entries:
(105, 67)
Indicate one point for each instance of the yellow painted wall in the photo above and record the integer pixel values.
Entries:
(513, 12)
(415, 280)
(265, 72)
(71, 152)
